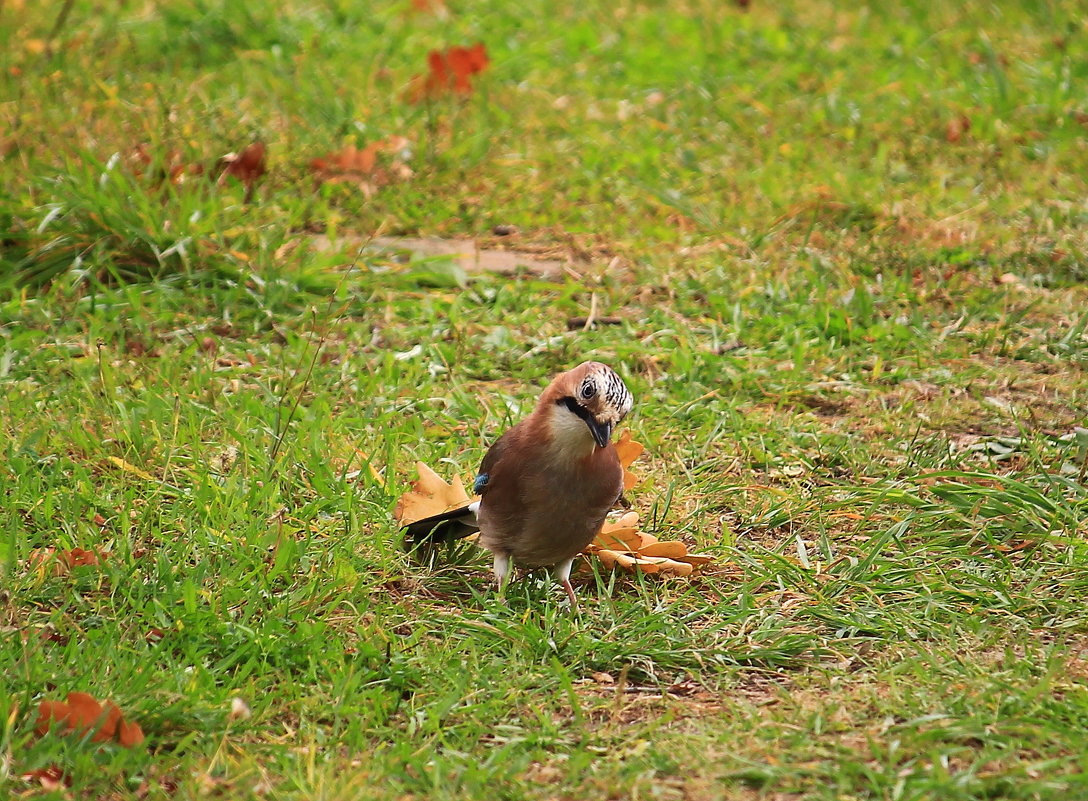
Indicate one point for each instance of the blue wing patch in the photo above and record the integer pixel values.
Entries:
(480, 482)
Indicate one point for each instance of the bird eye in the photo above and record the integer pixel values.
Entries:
(588, 390)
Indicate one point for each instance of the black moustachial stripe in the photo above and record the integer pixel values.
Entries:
(575, 407)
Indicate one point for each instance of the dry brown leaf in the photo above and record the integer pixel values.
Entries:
(621, 544)
(957, 128)
(361, 165)
(628, 450)
(622, 534)
(449, 71)
(671, 550)
(624, 539)
(60, 563)
(51, 778)
(696, 559)
(129, 734)
(247, 166)
(81, 714)
(644, 564)
(429, 496)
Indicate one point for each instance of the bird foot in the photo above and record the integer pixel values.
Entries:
(570, 593)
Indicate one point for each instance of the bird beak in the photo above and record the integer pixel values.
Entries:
(601, 432)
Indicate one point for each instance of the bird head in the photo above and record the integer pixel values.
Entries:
(593, 393)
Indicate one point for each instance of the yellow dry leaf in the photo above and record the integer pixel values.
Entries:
(611, 558)
(644, 564)
(128, 467)
(429, 496)
(622, 539)
(670, 550)
(672, 567)
(374, 474)
(696, 559)
(621, 544)
(628, 450)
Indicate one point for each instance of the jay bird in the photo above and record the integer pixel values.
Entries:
(547, 484)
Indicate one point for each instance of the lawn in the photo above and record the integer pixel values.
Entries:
(841, 250)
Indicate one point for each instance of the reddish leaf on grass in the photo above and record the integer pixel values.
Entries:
(464, 62)
(377, 164)
(450, 71)
(81, 713)
(52, 635)
(247, 167)
(62, 562)
(50, 778)
(129, 734)
(348, 159)
(433, 6)
(957, 128)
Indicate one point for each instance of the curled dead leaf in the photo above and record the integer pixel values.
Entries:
(60, 563)
(621, 544)
(644, 564)
(628, 450)
(51, 778)
(671, 550)
(247, 166)
(82, 714)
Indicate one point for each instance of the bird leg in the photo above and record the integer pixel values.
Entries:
(562, 572)
(501, 568)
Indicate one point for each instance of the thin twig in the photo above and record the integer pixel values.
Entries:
(592, 311)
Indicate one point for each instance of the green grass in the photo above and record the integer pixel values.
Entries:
(858, 351)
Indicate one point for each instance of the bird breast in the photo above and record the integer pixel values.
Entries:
(552, 512)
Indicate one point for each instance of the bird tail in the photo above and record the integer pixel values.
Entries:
(452, 525)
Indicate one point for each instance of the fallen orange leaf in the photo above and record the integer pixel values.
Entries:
(628, 450)
(429, 496)
(671, 550)
(361, 166)
(51, 778)
(82, 714)
(247, 166)
(62, 562)
(621, 544)
(450, 71)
